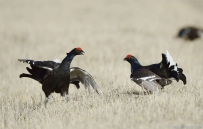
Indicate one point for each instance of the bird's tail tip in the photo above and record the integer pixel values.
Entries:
(99, 91)
(21, 75)
(176, 72)
(170, 59)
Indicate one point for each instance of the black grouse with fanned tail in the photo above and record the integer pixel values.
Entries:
(155, 76)
(190, 33)
(56, 80)
(144, 77)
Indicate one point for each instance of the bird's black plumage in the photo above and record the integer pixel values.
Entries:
(58, 79)
(190, 33)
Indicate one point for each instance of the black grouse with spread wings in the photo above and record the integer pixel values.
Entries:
(56, 80)
(39, 70)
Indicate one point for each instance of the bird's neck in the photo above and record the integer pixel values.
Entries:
(65, 64)
(135, 65)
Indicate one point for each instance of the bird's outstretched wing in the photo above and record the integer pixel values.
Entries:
(78, 74)
(41, 64)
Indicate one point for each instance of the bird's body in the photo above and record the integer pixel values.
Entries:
(190, 33)
(57, 81)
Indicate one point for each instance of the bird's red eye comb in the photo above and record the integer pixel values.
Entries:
(128, 56)
(79, 49)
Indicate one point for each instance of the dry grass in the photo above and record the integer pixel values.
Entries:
(107, 31)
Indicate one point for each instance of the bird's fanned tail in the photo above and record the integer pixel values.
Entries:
(173, 70)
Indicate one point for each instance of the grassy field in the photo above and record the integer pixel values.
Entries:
(107, 31)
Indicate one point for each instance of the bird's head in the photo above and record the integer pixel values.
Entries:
(129, 58)
(78, 51)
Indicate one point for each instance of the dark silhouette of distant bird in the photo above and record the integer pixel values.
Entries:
(154, 77)
(190, 33)
(58, 79)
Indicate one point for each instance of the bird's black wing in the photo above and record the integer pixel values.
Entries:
(42, 64)
(36, 73)
(146, 79)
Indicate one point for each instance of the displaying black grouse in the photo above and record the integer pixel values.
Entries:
(190, 33)
(58, 79)
(154, 77)
(77, 75)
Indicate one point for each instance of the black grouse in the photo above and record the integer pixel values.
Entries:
(77, 75)
(58, 79)
(190, 33)
(154, 77)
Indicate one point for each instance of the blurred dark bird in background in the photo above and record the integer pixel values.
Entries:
(190, 33)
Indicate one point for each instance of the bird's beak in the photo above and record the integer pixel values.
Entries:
(125, 59)
(82, 52)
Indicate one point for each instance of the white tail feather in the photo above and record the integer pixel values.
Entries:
(171, 61)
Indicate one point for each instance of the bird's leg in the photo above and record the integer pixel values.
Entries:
(76, 83)
(47, 99)
(64, 92)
